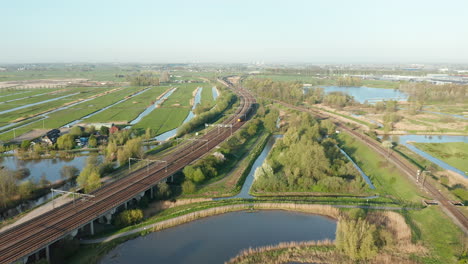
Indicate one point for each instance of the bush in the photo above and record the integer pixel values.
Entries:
(129, 217)
(188, 187)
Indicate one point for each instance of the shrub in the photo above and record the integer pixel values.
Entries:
(129, 217)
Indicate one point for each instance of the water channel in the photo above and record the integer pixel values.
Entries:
(218, 238)
(405, 139)
(171, 133)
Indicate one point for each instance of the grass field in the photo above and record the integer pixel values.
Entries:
(181, 97)
(438, 233)
(129, 109)
(453, 153)
(385, 177)
(207, 95)
(37, 99)
(105, 74)
(65, 116)
(33, 110)
(163, 119)
(17, 94)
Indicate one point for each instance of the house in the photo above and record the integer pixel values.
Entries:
(51, 137)
(113, 129)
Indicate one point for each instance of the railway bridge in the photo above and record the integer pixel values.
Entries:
(33, 238)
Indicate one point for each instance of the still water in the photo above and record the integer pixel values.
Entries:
(48, 167)
(371, 95)
(218, 238)
(405, 139)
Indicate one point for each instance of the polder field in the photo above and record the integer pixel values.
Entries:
(175, 109)
(23, 110)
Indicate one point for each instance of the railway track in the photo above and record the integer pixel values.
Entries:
(409, 169)
(31, 236)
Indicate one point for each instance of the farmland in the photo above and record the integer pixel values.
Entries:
(65, 116)
(129, 109)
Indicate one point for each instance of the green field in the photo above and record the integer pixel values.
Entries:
(16, 94)
(100, 74)
(438, 233)
(163, 119)
(65, 116)
(207, 95)
(36, 99)
(131, 108)
(33, 110)
(453, 153)
(387, 179)
(182, 96)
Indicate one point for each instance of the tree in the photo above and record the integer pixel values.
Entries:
(164, 77)
(188, 187)
(8, 186)
(92, 141)
(356, 238)
(66, 141)
(26, 188)
(69, 172)
(76, 131)
(129, 217)
(93, 181)
(25, 144)
(90, 130)
(164, 191)
(387, 144)
(104, 131)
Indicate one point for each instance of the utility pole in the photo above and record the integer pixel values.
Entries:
(195, 139)
(147, 163)
(66, 192)
(220, 126)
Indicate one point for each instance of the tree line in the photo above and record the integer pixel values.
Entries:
(307, 159)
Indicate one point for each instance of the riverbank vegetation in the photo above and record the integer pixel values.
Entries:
(307, 160)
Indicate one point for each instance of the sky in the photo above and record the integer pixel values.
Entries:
(286, 31)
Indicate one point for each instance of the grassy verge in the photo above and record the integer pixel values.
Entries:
(231, 178)
(387, 179)
(437, 232)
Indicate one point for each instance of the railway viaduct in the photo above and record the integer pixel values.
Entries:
(32, 239)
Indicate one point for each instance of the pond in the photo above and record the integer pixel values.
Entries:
(48, 167)
(404, 139)
(218, 238)
(369, 94)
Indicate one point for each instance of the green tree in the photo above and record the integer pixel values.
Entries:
(76, 131)
(8, 186)
(66, 141)
(129, 217)
(92, 141)
(93, 181)
(26, 188)
(69, 172)
(188, 187)
(164, 191)
(104, 131)
(25, 144)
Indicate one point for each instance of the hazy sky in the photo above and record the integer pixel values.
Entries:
(407, 31)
